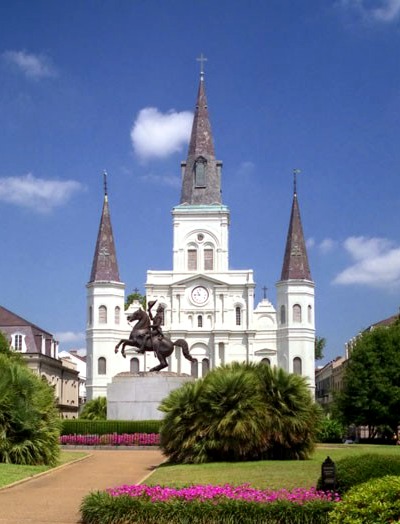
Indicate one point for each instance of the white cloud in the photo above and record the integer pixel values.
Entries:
(36, 193)
(376, 263)
(68, 337)
(246, 168)
(164, 180)
(32, 66)
(310, 242)
(159, 135)
(374, 10)
(327, 245)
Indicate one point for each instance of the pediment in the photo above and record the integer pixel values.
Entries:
(265, 352)
(199, 277)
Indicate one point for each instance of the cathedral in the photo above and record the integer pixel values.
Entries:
(203, 301)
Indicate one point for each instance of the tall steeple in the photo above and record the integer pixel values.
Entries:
(295, 262)
(201, 184)
(105, 265)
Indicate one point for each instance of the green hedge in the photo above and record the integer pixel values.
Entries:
(102, 508)
(104, 427)
(354, 470)
(376, 501)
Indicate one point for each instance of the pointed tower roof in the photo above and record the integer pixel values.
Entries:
(295, 263)
(201, 183)
(105, 265)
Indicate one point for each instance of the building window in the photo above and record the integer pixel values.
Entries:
(266, 361)
(90, 315)
(17, 342)
(102, 315)
(309, 310)
(162, 314)
(205, 367)
(297, 313)
(200, 172)
(283, 315)
(195, 369)
(208, 259)
(102, 366)
(200, 321)
(192, 259)
(297, 366)
(117, 314)
(238, 315)
(134, 365)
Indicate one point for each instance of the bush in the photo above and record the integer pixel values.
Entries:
(376, 501)
(330, 430)
(105, 427)
(351, 471)
(95, 409)
(239, 412)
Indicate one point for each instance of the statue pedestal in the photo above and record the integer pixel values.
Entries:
(136, 396)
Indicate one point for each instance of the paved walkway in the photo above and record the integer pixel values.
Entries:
(55, 497)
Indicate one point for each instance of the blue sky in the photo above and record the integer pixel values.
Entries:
(93, 85)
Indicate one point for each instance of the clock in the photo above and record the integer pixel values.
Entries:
(199, 295)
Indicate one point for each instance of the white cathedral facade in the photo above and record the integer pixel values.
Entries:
(206, 303)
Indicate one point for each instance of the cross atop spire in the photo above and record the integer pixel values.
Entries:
(105, 182)
(202, 59)
(295, 173)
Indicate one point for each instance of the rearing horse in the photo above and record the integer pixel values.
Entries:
(162, 348)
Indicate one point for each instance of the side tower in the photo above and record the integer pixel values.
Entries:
(105, 309)
(295, 304)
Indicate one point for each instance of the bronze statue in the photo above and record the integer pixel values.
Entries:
(147, 337)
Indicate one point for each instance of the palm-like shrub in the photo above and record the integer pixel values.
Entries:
(95, 409)
(29, 420)
(239, 412)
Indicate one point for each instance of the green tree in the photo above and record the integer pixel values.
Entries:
(95, 409)
(320, 343)
(239, 412)
(371, 392)
(135, 296)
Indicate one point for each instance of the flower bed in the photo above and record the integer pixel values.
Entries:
(112, 439)
(207, 504)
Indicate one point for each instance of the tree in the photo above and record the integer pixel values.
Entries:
(136, 296)
(320, 343)
(371, 392)
(95, 409)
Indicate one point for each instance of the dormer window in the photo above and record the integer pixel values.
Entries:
(200, 172)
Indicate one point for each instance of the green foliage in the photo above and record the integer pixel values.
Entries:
(371, 392)
(102, 508)
(354, 470)
(136, 296)
(29, 420)
(376, 501)
(4, 344)
(95, 409)
(105, 427)
(239, 412)
(319, 346)
(330, 430)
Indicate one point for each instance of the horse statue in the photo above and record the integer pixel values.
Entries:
(142, 338)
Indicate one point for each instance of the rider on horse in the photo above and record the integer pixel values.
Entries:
(155, 328)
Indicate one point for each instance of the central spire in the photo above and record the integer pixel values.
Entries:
(201, 184)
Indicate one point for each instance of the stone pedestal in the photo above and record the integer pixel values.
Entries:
(136, 396)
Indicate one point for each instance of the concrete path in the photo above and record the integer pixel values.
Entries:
(55, 497)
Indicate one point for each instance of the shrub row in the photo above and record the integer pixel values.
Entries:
(104, 427)
(114, 439)
(103, 508)
(354, 470)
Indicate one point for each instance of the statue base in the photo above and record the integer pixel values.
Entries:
(136, 396)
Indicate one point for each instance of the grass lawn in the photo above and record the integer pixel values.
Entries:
(10, 473)
(262, 474)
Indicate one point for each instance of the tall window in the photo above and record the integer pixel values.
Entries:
(309, 309)
(266, 361)
(200, 172)
(297, 366)
(102, 315)
(205, 367)
(297, 313)
(90, 315)
(208, 259)
(17, 342)
(200, 321)
(195, 369)
(283, 315)
(192, 259)
(162, 313)
(117, 313)
(102, 366)
(134, 365)
(238, 315)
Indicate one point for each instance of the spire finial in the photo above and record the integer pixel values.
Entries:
(295, 173)
(202, 59)
(105, 182)
(265, 289)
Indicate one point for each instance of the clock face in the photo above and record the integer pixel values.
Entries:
(199, 295)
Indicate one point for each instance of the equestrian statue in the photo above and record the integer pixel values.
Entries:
(147, 335)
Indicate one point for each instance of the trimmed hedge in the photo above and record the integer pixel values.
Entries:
(376, 501)
(102, 508)
(354, 470)
(104, 427)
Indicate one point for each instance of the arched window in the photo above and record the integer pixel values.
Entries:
(208, 259)
(297, 313)
(200, 172)
(134, 365)
(297, 366)
(195, 369)
(266, 361)
(102, 366)
(205, 367)
(283, 315)
(199, 321)
(102, 315)
(309, 313)
(238, 316)
(90, 315)
(192, 259)
(117, 314)
(162, 313)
